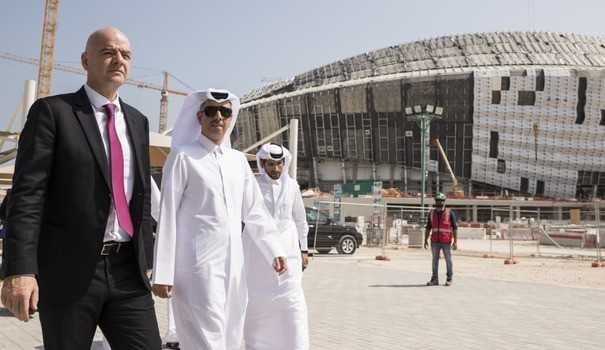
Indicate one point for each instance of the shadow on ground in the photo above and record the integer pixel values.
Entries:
(96, 345)
(397, 285)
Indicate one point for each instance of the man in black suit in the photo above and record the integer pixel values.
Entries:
(3, 230)
(79, 223)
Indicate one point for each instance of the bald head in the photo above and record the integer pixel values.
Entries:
(99, 37)
(106, 59)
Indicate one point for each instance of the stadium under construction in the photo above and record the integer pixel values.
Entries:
(524, 113)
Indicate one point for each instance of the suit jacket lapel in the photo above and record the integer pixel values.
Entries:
(136, 132)
(87, 119)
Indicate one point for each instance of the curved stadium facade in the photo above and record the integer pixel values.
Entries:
(524, 112)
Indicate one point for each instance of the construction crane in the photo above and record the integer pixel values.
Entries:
(164, 90)
(457, 191)
(47, 48)
(46, 64)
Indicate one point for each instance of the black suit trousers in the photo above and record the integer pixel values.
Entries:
(116, 300)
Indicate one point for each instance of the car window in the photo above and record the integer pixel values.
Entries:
(312, 216)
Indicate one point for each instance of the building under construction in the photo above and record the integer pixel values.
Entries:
(524, 113)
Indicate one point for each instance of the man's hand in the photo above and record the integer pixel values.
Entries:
(161, 290)
(280, 264)
(305, 260)
(20, 295)
(455, 245)
(426, 245)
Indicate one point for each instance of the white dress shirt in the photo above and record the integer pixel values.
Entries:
(113, 231)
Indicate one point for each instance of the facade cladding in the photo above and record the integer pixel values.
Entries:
(523, 112)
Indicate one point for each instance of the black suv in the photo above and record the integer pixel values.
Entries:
(346, 239)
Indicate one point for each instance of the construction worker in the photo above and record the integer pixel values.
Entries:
(441, 227)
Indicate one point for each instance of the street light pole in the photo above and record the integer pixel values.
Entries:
(423, 117)
(423, 124)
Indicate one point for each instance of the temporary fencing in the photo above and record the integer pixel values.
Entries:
(510, 231)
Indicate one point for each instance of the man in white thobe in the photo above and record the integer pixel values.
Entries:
(208, 191)
(276, 318)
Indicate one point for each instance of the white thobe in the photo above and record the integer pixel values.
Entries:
(276, 317)
(208, 191)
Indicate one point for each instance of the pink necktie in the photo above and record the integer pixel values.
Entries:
(117, 172)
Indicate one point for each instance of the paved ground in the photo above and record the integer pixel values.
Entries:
(363, 304)
(359, 303)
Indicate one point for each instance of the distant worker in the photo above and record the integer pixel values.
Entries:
(441, 227)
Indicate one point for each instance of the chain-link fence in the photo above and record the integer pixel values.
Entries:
(522, 232)
(506, 231)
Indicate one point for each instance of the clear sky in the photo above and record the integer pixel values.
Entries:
(238, 44)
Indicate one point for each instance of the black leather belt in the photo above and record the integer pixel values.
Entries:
(112, 247)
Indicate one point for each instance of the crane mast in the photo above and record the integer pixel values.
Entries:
(456, 191)
(164, 105)
(47, 49)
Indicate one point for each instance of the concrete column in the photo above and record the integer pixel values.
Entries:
(29, 96)
(344, 172)
(315, 171)
(475, 214)
(293, 143)
(518, 212)
(560, 213)
(405, 178)
(373, 171)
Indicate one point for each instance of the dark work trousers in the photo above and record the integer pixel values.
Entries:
(447, 253)
(116, 301)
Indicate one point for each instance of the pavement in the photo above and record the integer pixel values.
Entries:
(356, 302)
(365, 304)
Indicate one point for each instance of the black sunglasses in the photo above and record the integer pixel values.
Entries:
(211, 111)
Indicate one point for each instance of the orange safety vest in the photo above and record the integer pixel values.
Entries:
(441, 227)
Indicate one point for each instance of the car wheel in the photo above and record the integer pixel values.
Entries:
(324, 250)
(347, 245)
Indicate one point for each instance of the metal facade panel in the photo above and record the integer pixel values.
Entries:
(245, 129)
(353, 99)
(483, 60)
(268, 121)
(387, 96)
(540, 142)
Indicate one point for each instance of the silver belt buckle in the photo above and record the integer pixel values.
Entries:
(107, 246)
